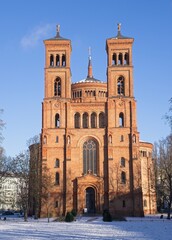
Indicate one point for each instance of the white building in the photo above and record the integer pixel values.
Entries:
(9, 192)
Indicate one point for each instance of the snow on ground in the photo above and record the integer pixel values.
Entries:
(92, 228)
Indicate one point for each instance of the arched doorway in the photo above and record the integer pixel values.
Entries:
(90, 200)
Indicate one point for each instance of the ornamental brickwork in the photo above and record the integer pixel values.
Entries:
(90, 143)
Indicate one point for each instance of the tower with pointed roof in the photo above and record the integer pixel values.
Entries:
(57, 66)
(90, 147)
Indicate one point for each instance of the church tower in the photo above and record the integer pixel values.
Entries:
(54, 114)
(57, 67)
(123, 144)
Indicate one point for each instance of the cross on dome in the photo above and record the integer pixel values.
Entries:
(58, 28)
(119, 27)
(89, 52)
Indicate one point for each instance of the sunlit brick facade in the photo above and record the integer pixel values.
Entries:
(90, 141)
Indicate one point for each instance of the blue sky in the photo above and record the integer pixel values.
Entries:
(25, 24)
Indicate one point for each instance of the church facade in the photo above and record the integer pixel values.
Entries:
(90, 143)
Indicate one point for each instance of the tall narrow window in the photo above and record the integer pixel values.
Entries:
(45, 140)
(51, 60)
(134, 138)
(123, 177)
(122, 162)
(57, 178)
(102, 122)
(77, 120)
(145, 203)
(123, 203)
(93, 120)
(57, 163)
(120, 59)
(126, 59)
(63, 60)
(122, 138)
(120, 85)
(57, 120)
(110, 138)
(68, 140)
(121, 120)
(57, 87)
(114, 59)
(85, 120)
(90, 151)
(56, 204)
(57, 60)
(57, 139)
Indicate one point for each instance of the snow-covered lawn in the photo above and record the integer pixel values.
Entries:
(147, 228)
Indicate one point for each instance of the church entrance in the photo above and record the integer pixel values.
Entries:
(90, 200)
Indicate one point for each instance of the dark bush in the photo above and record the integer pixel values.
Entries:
(107, 216)
(119, 218)
(74, 212)
(69, 217)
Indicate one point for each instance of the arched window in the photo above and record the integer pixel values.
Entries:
(102, 120)
(122, 162)
(122, 138)
(93, 120)
(77, 120)
(85, 120)
(145, 203)
(68, 140)
(90, 155)
(120, 86)
(57, 60)
(114, 59)
(121, 120)
(45, 140)
(57, 87)
(110, 138)
(56, 204)
(123, 177)
(120, 59)
(63, 60)
(57, 178)
(57, 163)
(126, 59)
(51, 60)
(57, 120)
(134, 138)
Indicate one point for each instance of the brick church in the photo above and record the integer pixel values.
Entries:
(89, 141)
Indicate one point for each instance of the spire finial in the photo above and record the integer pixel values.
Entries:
(89, 52)
(90, 71)
(57, 31)
(119, 27)
(58, 28)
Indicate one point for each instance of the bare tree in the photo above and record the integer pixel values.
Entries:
(4, 161)
(165, 171)
(158, 187)
(33, 140)
(47, 184)
(21, 170)
(118, 181)
(114, 180)
(168, 116)
(163, 167)
(2, 124)
(34, 176)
